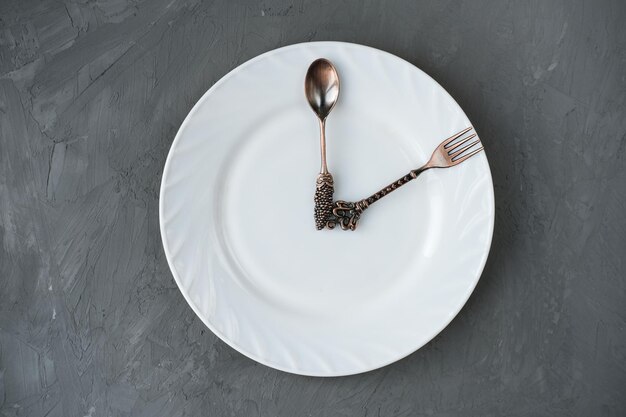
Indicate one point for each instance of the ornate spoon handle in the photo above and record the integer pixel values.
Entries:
(323, 198)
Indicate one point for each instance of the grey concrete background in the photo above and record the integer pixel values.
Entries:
(91, 96)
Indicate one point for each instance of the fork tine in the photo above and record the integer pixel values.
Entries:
(464, 148)
(457, 135)
(459, 143)
(469, 155)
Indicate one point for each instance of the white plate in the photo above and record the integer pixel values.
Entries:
(236, 213)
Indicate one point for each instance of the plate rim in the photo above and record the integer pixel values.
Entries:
(169, 256)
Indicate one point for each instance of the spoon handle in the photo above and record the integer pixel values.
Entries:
(324, 166)
(323, 198)
(324, 186)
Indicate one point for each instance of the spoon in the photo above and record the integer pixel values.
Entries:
(321, 87)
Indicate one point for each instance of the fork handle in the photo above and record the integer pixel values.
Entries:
(347, 215)
(391, 187)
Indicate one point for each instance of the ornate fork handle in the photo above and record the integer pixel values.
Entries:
(346, 214)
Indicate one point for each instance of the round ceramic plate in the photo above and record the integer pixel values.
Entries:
(236, 213)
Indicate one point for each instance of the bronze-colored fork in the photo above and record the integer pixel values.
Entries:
(449, 153)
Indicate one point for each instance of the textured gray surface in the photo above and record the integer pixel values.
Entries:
(91, 96)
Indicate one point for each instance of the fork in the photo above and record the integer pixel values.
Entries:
(449, 153)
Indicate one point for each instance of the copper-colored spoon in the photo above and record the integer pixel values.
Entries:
(321, 87)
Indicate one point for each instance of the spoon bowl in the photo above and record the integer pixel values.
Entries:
(321, 87)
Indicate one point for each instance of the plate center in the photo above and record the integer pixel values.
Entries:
(267, 206)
